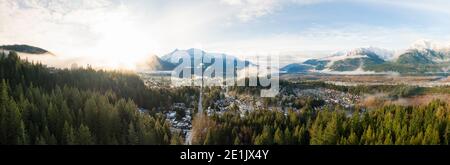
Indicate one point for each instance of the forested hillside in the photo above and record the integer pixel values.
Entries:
(40, 105)
(428, 124)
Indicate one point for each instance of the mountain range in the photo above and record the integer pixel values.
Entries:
(172, 59)
(420, 58)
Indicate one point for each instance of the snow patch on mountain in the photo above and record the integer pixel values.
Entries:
(176, 55)
(382, 53)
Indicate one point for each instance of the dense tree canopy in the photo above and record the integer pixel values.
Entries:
(39, 105)
(391, 124)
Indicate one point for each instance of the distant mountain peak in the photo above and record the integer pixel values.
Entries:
(424, 56)
(363, 51)
(177, 54)
(172, 59)
(25, 49)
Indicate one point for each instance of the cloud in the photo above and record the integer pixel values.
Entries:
(251, 9)
(56, 24)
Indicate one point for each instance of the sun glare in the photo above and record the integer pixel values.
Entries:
(123, 44)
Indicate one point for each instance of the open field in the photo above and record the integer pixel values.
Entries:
(354, 80)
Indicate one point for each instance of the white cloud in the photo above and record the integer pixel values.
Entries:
(52, 24)
(246, 10)
(250, 9)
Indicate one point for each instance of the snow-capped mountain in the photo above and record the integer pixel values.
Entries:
(197, 54)
(425, 52)
(384, 54)
(350, 60)
(422, 57)
(176, 55)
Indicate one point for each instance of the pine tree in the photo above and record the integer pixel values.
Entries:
(69, 137)
(13, 122)
(330, 132)
(132, 136)
(278, 137)
(287, 136)
(265, 138)
(40, 140)
(368, 136)
(237, 141)
(3, 94)
(417, 140)
(4, 101)
(447, 133)
(388, 140)
(23, 135)
(431, 136)
(84, 135)
(353, 139)
(316, 131)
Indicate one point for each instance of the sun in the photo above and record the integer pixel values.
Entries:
(122, 44)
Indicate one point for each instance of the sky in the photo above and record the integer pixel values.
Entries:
(122, 32)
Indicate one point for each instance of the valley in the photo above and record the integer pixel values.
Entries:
(317, 93)
(375, 79)
(153, 111)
